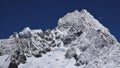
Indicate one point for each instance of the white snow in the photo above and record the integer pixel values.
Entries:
(4, 61)
(53, 59)
(95, 44)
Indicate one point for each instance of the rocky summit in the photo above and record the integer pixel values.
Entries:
(79, 41)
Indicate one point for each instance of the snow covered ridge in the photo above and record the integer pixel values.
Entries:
(79, 41)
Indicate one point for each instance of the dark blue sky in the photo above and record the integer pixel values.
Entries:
(44, 14)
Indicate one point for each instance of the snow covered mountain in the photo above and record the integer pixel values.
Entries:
(79, 41)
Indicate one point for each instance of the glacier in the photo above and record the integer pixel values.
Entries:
(79, 41)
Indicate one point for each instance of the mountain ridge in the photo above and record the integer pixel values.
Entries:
(82, 41)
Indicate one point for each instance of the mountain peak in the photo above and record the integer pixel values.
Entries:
(27, 29)
(79, 38)
(84, 11)
(76, 11)
(83, 18)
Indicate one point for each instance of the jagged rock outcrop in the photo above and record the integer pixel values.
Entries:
(82, 41)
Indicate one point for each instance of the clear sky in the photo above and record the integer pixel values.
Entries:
(43, 14)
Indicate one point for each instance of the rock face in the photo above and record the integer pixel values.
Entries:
(79, 41)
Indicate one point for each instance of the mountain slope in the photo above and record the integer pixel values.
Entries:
(79, 41)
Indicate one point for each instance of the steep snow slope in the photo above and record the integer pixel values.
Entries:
(79, 41)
